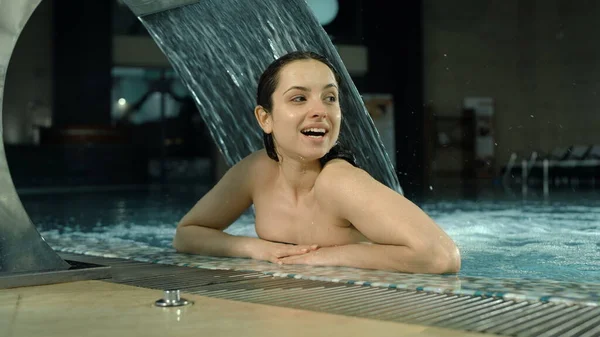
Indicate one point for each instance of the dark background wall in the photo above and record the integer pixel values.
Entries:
(533, 59)
(82, 62)
(394, 39)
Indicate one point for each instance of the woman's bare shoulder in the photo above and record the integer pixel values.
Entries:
(255, 158)
(336, 172)
(258, 165)
(340, 166)
(260, 160)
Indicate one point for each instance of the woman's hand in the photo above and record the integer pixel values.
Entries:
(310, 258)
(325, 256)
(274, 252)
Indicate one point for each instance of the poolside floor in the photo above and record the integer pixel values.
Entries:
(97, 308)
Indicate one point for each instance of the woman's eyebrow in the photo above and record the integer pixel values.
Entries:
(330, 85)
(297, 87)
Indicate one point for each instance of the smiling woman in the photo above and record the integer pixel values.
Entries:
(313, 204)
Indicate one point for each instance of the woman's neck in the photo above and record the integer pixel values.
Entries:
(299, 176)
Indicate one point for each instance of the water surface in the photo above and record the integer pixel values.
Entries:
(555, 239)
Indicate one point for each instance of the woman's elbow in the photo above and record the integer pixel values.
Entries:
(445, 261)
(434, 259)
(177, 245)
(178, 240)
(179, 248)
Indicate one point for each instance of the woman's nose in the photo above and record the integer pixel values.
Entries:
(318, 110)
(319, 114)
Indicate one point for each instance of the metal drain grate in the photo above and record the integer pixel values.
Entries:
(161, 276)
(478, 314)
(460, 312)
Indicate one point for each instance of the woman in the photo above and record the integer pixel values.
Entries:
(313, 205)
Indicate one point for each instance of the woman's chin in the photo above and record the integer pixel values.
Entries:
(310, 153)
(315, 155)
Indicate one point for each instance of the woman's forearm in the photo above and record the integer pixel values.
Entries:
(213, 242)
(370, 256)
(376, 256)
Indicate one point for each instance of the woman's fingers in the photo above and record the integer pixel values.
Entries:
(290, 259)
(295, 250)
(299, 250)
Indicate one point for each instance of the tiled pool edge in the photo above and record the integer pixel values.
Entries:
(506, 295)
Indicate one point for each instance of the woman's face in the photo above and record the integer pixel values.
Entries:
(306, 115)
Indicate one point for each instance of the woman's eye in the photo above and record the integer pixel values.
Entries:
(331, 99)
(298, 99)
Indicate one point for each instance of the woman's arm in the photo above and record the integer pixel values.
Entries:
(200, 231)
(200, 240)
(366, 256)
(405, 238)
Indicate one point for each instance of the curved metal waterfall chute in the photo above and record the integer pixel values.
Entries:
(22, 249)
(219, 48)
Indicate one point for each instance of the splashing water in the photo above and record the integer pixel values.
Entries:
(219, 48)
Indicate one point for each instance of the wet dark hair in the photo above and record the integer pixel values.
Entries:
(266, 87)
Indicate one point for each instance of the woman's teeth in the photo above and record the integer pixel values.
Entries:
(314, 132)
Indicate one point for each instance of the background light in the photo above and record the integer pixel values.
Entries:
(324, 10)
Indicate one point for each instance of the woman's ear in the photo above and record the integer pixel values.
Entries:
(264, 119)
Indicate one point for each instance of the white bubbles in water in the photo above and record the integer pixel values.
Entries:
(508, 239)
(244, 226)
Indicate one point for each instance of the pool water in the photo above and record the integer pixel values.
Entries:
(554, 239)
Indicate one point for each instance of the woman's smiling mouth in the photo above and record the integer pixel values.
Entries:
(314, 132)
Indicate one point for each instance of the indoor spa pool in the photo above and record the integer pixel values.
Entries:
(514, 248)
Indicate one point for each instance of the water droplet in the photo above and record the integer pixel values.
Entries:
(445, 55)
(430, 188)
(531, 116)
